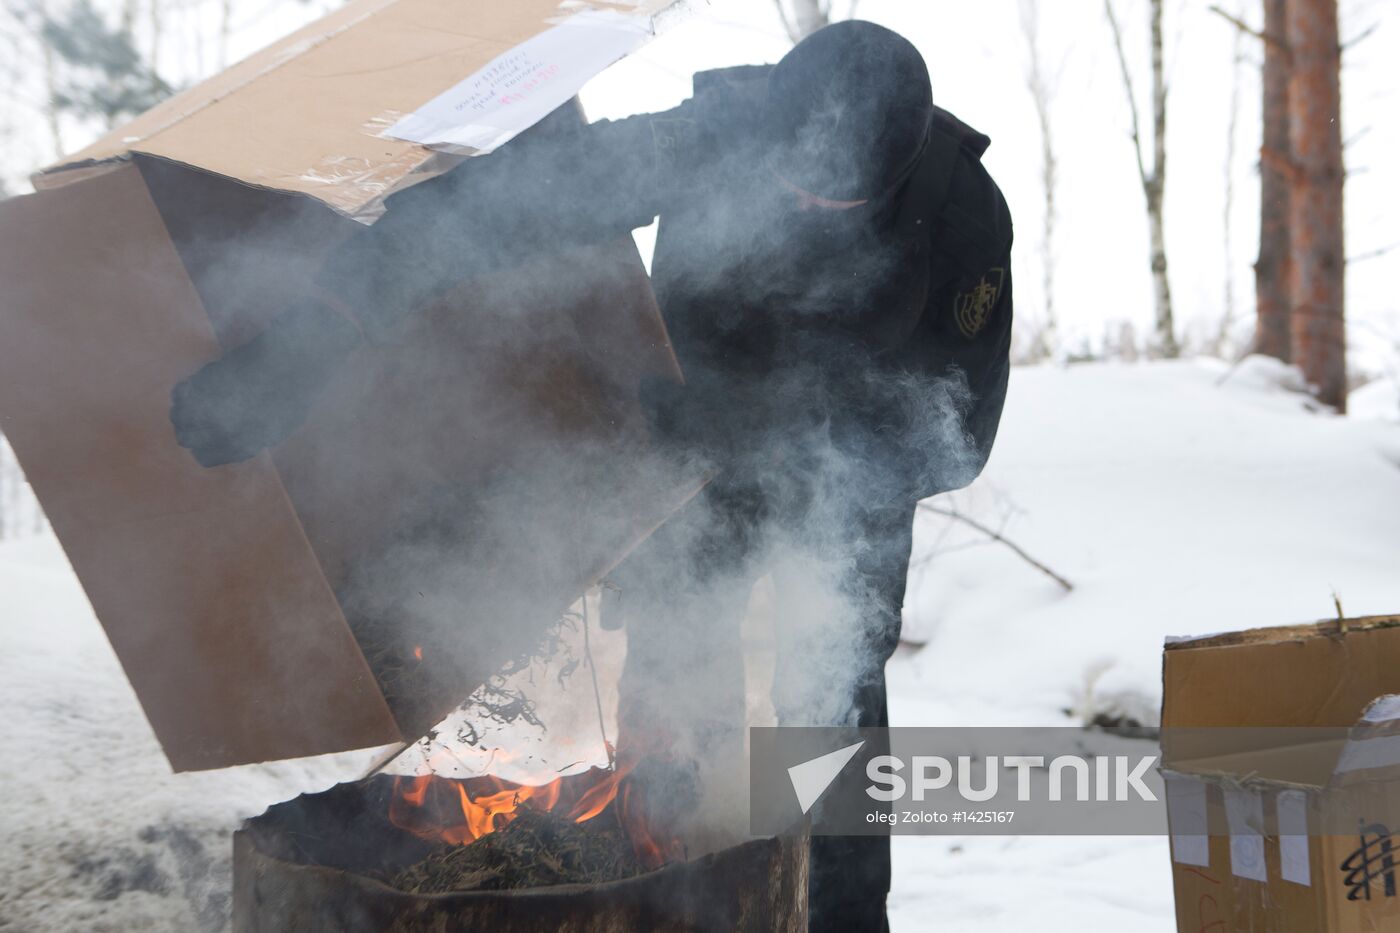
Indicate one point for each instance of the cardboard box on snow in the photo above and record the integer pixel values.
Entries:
(179, 236)
(1281, 749)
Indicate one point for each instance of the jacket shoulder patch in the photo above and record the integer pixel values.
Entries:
(973, 308)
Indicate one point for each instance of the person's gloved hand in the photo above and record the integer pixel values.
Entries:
(256, 395)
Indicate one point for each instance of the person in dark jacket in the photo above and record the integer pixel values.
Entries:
(833, 265)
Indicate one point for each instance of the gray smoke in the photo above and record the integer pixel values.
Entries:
(800, 442)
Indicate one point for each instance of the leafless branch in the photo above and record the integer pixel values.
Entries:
(1356, 137)
(1241, 25)
(1373, 254)
(1238, 361)
(1128, 86)
(998, 537)
(1042, 88)
(788, 27)
(1360, 37)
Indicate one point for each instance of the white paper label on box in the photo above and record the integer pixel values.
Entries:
(1244, 814)
(519, 88)
(1383, 709)
(1186, 813)
(1293, 837)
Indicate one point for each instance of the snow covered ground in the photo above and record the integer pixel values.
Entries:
(1177, 504)
(1174, 502)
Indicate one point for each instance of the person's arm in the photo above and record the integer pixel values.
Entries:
(559, 183)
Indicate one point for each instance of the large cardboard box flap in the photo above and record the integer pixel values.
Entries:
(192, 571)
(456, 487)
(309, 114)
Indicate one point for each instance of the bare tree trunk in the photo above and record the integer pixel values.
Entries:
(225, 30)
(1227, 320)
(51, 92)
(1156, 193)
(1154, 182)
(1042, 91)
(157, 33)
(804, 17)
(128, 18)
(1273, 275)
(1319, 257)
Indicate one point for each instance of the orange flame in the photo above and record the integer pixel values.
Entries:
(459, 812)
(418, 652)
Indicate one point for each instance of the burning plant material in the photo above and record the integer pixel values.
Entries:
(535, 849)
(330, 861)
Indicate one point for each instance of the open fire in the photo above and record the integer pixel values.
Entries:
(461, 811)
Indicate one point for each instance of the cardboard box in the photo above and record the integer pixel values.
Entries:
(181, 235)
(1281, 749)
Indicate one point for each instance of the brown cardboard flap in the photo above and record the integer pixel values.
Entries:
(212, 597)
(452, 492)
(305, 114)
(1276, 704)
(1300, 763)
(1324, 674)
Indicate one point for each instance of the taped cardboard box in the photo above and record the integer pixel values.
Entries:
(222, 590)
(1281, 749)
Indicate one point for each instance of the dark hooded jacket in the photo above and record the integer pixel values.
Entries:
(884, 329)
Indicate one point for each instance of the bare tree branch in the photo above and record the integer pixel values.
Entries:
(788, 27)
(1154, 182)
(1228, 215)
(997, 536)
(51, 99)
(1242, 26)
(1373, 254)
(1042, 90)
(1360, 37)
(1128, 86)
(225, 31)
(804, 18)
(1356, 137)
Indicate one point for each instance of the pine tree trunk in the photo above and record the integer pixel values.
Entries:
(1272, 272)
(1319, 261)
